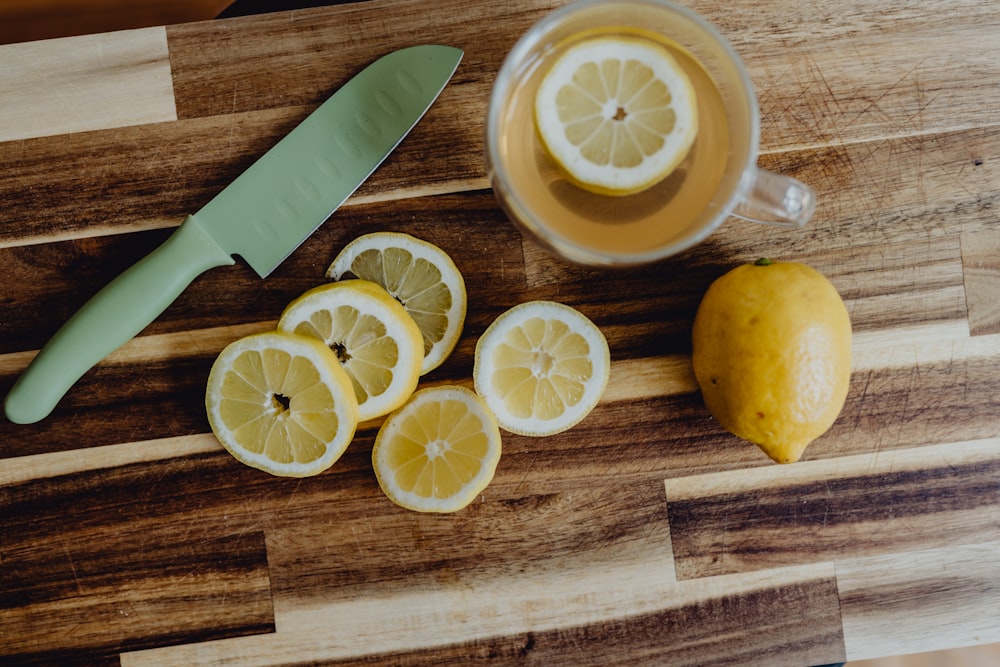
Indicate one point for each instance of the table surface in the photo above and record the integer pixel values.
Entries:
(645, 535)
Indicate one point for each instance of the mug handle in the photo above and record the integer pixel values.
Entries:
(774, 199)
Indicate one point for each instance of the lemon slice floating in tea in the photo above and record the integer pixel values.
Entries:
(281, 403)
(617, 114)
(420, 276)
(375, 339)
(437, 452)
(542, 367)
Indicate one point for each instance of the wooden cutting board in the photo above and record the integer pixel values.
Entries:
(645, 535)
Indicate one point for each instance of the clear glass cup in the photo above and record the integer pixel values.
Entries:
(718, 178)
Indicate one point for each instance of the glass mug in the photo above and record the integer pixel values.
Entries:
(718, 177)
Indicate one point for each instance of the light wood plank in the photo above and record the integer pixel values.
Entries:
(981, 260)
(56, 464)
(906, 347)
(90, 82)
(913, 602)
(782, 617)
(836, 76)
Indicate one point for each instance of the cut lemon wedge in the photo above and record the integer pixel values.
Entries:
(375, 339)
(542, 367)
(419, 275)
(618, 114)
(437, 452)
(281, 403)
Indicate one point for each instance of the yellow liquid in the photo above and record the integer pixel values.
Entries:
(633, 224)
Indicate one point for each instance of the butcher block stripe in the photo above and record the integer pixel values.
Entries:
(981, 259)
(808, 75)
(39, 466)
(163, 171)
(851, 506)
(950, 591)
(131, 585)
(139, 385)
(923, 344)
(784, 617)
(110, 80)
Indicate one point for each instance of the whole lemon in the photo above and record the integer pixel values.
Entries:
(772, 355)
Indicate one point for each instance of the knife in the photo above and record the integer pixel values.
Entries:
(262, 216)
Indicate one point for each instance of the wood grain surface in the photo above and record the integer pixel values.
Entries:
(646, 534)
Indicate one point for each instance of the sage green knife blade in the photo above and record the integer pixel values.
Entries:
(262, 216)
(279, 201)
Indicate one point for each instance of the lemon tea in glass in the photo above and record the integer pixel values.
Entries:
(717, 177)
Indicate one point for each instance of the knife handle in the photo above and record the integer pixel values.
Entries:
(111, 318)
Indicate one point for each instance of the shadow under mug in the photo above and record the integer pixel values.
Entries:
(744, 190)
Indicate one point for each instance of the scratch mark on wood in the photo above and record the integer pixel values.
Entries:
(72, 565)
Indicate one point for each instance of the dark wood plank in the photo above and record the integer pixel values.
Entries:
(127, 179)
(300, 58)
(50, 281)
(89, 571)
(514, 530)
(835, 509)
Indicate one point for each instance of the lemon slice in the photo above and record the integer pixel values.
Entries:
(419, 275)
(437, 452)
(617, 114)
(376, 341)
(281, 403)
(542, 367)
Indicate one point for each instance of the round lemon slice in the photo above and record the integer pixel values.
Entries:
(542, 367)
(281, 403)
(618, 114)
(375, 339)
(437, 452)
(419, 275)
